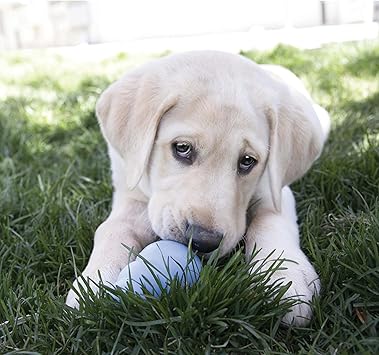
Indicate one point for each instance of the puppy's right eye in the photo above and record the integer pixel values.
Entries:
(183, 151)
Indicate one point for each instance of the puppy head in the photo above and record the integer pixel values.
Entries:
(204, 135)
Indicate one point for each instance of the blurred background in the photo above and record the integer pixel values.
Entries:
(175, 25)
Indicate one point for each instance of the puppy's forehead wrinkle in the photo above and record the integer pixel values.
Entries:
(225, 115)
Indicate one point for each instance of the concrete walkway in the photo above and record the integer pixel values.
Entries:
(256, 38)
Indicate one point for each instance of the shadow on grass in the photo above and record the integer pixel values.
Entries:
(367, 106)
(348, 171)
(366, 63)
(290, 57)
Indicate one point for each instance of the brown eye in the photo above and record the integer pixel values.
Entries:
(183, 151)
(245, 164)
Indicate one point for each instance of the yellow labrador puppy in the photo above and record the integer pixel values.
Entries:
(194, 140)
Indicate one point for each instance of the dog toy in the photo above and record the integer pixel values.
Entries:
(157, 265)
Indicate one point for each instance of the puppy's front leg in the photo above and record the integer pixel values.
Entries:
(279, 234)
(109, 256)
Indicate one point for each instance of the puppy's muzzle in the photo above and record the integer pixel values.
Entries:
(203, 240)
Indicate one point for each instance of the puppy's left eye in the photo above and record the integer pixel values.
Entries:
(245, 164)
(183, 151)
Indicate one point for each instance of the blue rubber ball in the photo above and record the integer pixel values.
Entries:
(157, 265)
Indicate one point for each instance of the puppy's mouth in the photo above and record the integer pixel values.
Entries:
(200, 251)
(206, 254)
(204, 242)
(218, 253)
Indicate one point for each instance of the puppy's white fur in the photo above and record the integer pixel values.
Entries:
(277, 236)
(225, 106)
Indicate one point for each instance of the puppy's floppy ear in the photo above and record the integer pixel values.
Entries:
(129, 112)
(296, 141)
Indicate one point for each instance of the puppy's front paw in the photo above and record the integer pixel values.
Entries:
(72, 299)
(78, 287)
(305, 284)
(92, 279)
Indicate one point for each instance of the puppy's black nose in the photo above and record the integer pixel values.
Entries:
(203, 240)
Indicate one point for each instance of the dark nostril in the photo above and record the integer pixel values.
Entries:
(203, 240)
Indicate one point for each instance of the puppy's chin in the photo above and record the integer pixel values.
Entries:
(178, 239)
(227, 245)
(185, 242)
(218, 254)
(207, 256)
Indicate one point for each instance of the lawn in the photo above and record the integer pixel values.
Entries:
(55, 190)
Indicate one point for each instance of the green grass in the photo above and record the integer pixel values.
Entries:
(55, 190)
